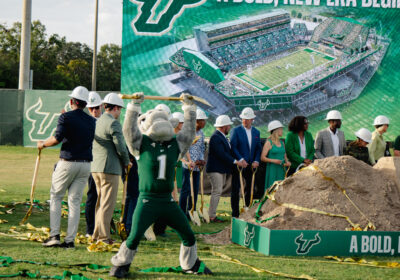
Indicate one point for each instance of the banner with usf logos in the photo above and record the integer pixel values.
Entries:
(282, 58)
(314, 242)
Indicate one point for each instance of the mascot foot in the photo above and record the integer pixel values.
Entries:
(120, 271)
(199, 268)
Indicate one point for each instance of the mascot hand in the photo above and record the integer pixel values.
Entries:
(139, 98)
(187, 99)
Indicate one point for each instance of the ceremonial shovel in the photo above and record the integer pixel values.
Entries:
(203, 211)
(244, 208)
(33, 187)
(120, 225)
(194, 216)
(167, 98)
(252, 185)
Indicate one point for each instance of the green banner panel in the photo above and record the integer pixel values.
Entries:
(282, 58)
(314, 242)
(11, 113)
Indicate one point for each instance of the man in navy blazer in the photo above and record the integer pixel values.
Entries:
(246, 148)
(220, 162)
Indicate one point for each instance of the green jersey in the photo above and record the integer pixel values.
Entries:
(156, 166)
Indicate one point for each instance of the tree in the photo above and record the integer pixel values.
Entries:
(293, 13)
(109, 67)
(299, 15)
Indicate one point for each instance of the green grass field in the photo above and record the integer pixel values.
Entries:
(15, 180)
(281, 70)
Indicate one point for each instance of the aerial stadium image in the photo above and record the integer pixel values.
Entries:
(274, 63)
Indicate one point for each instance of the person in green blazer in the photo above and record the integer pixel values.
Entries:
(299, 144)
(110, 155)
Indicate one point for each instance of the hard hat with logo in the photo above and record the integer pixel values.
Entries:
(179, 116)
(94, 100)
(364, 134)
(80, 93)
(274, 125)
(247, 114)
(200, 115)
(113, 99)
(381, 120)
(333, 115)
(222, 120)
(163, 107)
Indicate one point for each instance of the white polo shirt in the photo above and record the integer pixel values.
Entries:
(335, 142)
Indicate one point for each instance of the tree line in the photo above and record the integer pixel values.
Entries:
(56, 63)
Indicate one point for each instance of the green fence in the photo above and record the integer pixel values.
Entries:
(11, 113)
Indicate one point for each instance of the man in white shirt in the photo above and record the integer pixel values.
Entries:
(330, 141)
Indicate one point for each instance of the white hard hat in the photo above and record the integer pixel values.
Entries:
(381, 120)
(163, 107)
(113, 99)
(247, 114)
(274, 125)
(179, 116)
(94, 100)
(364, 134)
(80, 93)
(333, 115)
(200, 115)
(222, 120)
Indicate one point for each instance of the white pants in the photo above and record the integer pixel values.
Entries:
(71, 176)
(218, 180)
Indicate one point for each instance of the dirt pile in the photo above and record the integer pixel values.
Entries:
(374, 191)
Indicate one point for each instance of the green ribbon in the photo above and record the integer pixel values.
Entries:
(258, 212)
(173, 269)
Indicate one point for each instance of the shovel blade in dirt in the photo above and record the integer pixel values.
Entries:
(149, 234)
(204, 214)
(194, 216)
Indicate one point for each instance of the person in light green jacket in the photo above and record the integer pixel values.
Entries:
(377, 146)
(110, 155)
(299, 144)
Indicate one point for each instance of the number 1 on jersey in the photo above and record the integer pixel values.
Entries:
(162, 159)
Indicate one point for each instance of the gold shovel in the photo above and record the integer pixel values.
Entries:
(244, 208)
(203, 211)
(167, 98)
(120, 225)
(194, 216)
(254, 170)
(33, 187)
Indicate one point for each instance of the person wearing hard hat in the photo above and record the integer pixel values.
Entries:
(377, 146)
(193, 160)
(274, 155)
(94, 107)
(330, 141)
(220, 163)
(246, 147)
(75, 130)
(358, 148)
(180, 118)
(396, 147)
(109, 153)
(299, 144)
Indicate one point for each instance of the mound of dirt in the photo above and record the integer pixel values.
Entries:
(374, 191)
(220, 238)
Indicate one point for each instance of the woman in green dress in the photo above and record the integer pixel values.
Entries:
(274, 155)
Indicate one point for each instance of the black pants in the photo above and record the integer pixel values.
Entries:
(90, 207)
(132, 194)
(236, 192)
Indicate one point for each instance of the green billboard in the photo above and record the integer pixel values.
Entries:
(282, 58)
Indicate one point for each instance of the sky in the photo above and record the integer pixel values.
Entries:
(73, 19)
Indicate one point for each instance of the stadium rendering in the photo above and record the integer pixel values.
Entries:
(271, 62)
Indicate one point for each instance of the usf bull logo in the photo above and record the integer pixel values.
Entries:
(197, 66)
(156, 17)
(304, 245)
(43, 124)
(248, 235)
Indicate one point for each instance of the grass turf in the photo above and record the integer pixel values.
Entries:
(15, 179)
(281, 70)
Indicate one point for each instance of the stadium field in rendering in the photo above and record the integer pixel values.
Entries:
(281, 70)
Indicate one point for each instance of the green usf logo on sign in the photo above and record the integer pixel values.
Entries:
(248, 235)
(152, 22)
(197, 66)
(304, 245)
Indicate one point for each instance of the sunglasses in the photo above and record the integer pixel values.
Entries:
(96, 108)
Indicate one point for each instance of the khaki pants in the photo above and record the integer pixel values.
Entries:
(218, 180)
(107, 190)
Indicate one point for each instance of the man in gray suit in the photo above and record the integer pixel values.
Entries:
(109, 156)
(330, 141)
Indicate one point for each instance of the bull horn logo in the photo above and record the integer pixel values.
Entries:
(304, 245)
(248, 235)
(147, 23)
